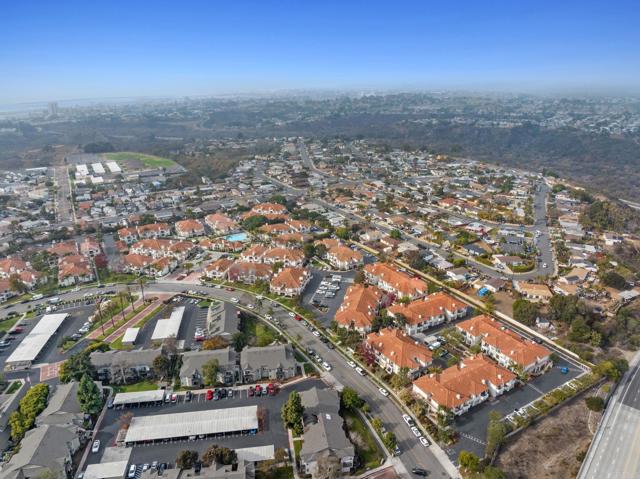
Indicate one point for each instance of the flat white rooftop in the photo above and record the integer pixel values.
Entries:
(98, 168)
(106, 470)
(167, 328)
(28, 350)
(255, 454)
(138, 397)
(186, 424)
(130, 335)
(113, 167)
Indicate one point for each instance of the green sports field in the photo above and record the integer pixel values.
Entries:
(149, 161)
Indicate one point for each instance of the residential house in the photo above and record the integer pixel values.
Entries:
(189, 228)
(533, 291)
(389, 279)
(276, 362)
(504, 345)
(343, 257)
(290, 281)
(191, 374)
(249, 273)
(121, 367)
(359, 306)
(222, 320)
(220, 224)
(428, 312)
(74, 269)
(218, 269)
(396, 352)
(467, 384)
(324, 433)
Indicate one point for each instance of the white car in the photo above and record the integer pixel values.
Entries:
(95, 446)
(360, 371)
(316, 333)
(407, 419)
(384, 392)
(250, 306)
(326, 366)
(424, 441)
(292, 314)
(352, 364)
(234, 300)
(132, 471)
(268, 317)
(416, 432)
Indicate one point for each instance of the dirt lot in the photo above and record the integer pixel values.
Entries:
(549, 449)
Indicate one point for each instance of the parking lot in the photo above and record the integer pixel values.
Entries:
(315, 294)
(273, 431)
(472, 426)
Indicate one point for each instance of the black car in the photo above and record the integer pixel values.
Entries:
(188, 396)
(419, 471)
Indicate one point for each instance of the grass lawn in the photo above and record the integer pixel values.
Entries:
(205, 303)
(7, 324)
(13, 387)
(297, 447)
(284, 472)
(136, 387)
(366, 446)
(150, 161)
(258, 333)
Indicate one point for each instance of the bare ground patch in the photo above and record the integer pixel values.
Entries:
(552, 448)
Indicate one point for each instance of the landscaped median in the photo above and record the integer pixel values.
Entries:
(117, 344)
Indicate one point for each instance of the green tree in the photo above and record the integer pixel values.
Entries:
(76, 366)
(292, 412)
(491, 472)
(162, 365)
(395, 234)
(239, 341)
(343, 233)
(219, 455)
(210, 372)
(390, 440)
(32, 404)
(469, 461)
(350, 399)
(613, 280)
(254, 222)
(525, 311)
(186, 459)
(496, 432)
(17, 285)
(89, 396)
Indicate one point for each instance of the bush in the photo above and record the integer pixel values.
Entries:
(32, 404)
(594, 403)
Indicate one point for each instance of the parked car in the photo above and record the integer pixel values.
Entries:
(416, 432)
(132, 471)
(351, 363)
(188, 396)
(326, 366)
(384, 392)
(419, 471)
(209, 395)
(424, 441)
(360, 371)
(174, 398)
(250, 391)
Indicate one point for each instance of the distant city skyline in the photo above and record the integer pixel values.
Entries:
(77, 50)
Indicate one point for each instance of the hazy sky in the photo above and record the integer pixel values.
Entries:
(58, 50)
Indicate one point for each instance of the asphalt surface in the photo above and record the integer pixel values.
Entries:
(273, 432)
(615, 449)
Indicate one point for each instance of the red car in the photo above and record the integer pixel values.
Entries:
(209, 395)
(229, 289)
(17, 331)
(298, 317)
(258, 390)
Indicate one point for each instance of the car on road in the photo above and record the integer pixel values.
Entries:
(360, 371)
(420, 472)
(234, 300)
(424, 441)
(351, 364)
(544, 265)
(251, 306)
(316, 333)
(95, 447)
(132, 471)
(199, 335)
(384, 392)
(326, 366)
(416, 432)
(268, 317)
(292, 314)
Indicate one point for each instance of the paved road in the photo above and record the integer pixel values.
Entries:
(64, 210)
(414, 454)
(615, 450)
(545, 267)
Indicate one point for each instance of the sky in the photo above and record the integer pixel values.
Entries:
(57, 50)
